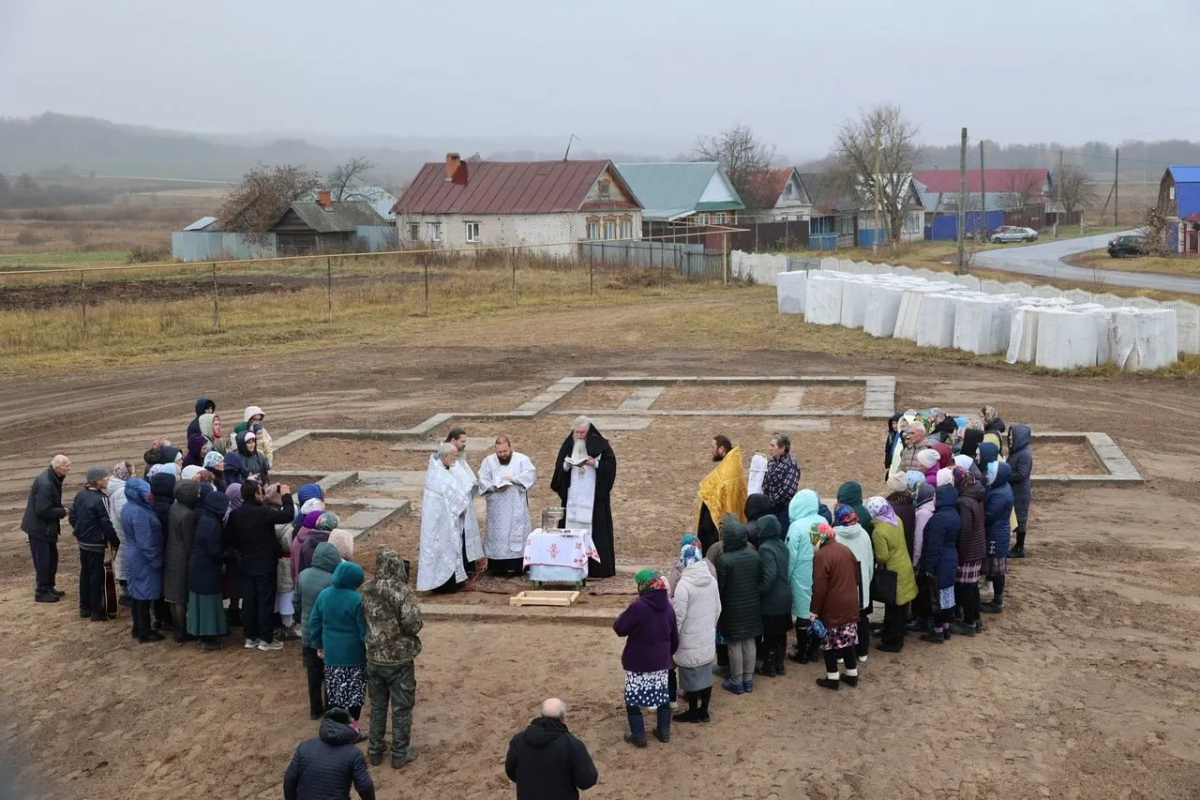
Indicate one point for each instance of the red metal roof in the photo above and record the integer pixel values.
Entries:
(998, 180)
(764, 188)
(509, 187)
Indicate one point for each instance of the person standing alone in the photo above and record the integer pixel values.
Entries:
(44, 513)
(546, 761)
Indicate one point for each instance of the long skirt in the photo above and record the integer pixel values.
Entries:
(647, 689)
(694, 679)
(206, 615)
(968, 572)
(995, 566)
(345, 687)
(841, 637)
(285, 603)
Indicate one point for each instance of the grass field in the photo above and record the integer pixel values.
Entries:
(1100, 259)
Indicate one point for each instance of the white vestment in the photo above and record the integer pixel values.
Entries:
(581, 494)
(507, 504)
(466, 477)
(446, 515)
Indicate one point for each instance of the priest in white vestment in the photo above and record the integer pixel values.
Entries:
(448, 546)
(505, 478)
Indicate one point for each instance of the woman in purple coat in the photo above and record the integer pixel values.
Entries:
(651, 639)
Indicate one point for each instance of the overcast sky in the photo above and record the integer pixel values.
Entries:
(1017, 71)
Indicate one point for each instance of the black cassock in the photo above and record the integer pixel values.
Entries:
(606, 476)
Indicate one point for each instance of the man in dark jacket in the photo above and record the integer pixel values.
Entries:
(94, 530)
(393, 622)
(251, 530)
(44, 513)
(325, 766)
(546, 761)
(1020, 462)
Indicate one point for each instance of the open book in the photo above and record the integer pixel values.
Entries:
(576, 462)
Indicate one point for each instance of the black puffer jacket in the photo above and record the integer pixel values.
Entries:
(89, 518)
(251, 528)
(737, 578)
(972, 543)
(774, 587)
(181, 526)
(1020, 461)
(547, 762)
(44, 509)
(325, 766)
(162, 489)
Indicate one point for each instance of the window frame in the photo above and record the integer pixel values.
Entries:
(434, 229)
(414, 231)
(477, 238)
(592, 232)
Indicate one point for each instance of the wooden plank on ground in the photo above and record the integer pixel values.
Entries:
(546, 598)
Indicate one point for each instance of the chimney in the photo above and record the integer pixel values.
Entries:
(323, 199)
(453, 160)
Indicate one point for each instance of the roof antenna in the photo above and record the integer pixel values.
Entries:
(572, 139)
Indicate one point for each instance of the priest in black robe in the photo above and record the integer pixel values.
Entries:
(586, 460)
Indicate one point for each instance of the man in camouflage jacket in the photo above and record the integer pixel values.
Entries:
(393, 622)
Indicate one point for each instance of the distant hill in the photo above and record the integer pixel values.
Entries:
(58, 144)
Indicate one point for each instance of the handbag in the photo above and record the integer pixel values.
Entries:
(884, 586)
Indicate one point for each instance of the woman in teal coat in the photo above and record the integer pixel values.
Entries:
(338, 628)
(803, 513)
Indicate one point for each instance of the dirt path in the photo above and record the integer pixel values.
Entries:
(1082, 689)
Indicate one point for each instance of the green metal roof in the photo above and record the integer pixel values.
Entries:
(670, 190)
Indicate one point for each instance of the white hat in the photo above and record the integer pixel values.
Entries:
(254, 411)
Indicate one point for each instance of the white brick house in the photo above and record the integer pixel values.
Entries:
(544, 206)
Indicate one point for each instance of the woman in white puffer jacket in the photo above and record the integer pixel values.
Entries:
(697, 604)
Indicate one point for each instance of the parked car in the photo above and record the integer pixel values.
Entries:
(1013, 233)
(1125, 246)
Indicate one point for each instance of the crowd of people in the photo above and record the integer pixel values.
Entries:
(778, 561)
(203, 542)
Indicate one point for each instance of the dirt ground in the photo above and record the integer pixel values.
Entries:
(1083, 688)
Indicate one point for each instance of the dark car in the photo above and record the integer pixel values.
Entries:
(1125, 246)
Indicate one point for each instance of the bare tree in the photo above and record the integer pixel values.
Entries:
(1075, 187)
(264, 194)
(1019, 189)
(898, 152)
(743, 156)
(347, 177)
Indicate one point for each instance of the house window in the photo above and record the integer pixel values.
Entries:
(605, 189)
(472, 232)
(720, 219)
(433, 231)
(610, 229)
(704, 219)
(414, 231)
(626, 229)
(1171, 192)
(912, 222)
(789, 191)
(593, 229)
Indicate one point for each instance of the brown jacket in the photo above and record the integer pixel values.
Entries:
(836, 579)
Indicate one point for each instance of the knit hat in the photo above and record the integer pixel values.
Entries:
(898, 482)
(96, 474)
(945, 477)
(343, 542)
(121, 471)
(311, 518)
(915, 479)
(191, 472)
(927, 458)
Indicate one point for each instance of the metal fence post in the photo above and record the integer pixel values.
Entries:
(514, 270)
(216, 300)
(83, 305)
(329, 288)
(591, 276)
(427, 287)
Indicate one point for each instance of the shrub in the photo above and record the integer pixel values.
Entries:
(27, 238)
(148, 254)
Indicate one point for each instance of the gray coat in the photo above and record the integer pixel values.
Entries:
(44, 510)
(1020, 461)
(181, 527)
(312, 581)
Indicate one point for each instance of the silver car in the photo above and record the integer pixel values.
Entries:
(1012, 233)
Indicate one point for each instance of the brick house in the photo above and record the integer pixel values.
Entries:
(544, 206)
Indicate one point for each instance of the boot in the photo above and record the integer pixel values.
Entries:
(992, 608)
(962, 629)
(730, 685)
(692, 714)
(1017, 552)
(407, 757)
(662, 731)
(849, 680)
(829, 683)
(375, 758)
(636, 735)
(934, 637)
(705, 696)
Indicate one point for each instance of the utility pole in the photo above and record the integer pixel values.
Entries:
(962, 206)
(1058, 193)
(1117, 190)
(875, 237)
(983, 224)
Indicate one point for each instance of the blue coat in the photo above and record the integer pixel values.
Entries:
(207, 556)
(939, 552)
(1020, 461)
(337, 624)
(997, 511)
(143, 548)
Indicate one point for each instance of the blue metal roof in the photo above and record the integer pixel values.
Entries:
(671, 190)
(1184, 174)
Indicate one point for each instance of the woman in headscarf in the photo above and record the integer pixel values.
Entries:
(922, 607)
(338, 628)
(254, 464)
(326, 523)
(835, 604)
(804, 512)
(850, 493)
(205, 615)
(992, 421)
(902, 502)
(652, 637)
(998, 509)
(889, 444)
(214, 463)
(972, 547)
(890, 552)
(143, 556)
(939, 560)
(775, 595)
(233, 571)
(234, 468)
(173, 458)
(850, 533)
(121, 473)
(697, 606)
(945, 455)
(309, 521)
(678, 567)
(928, 461)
